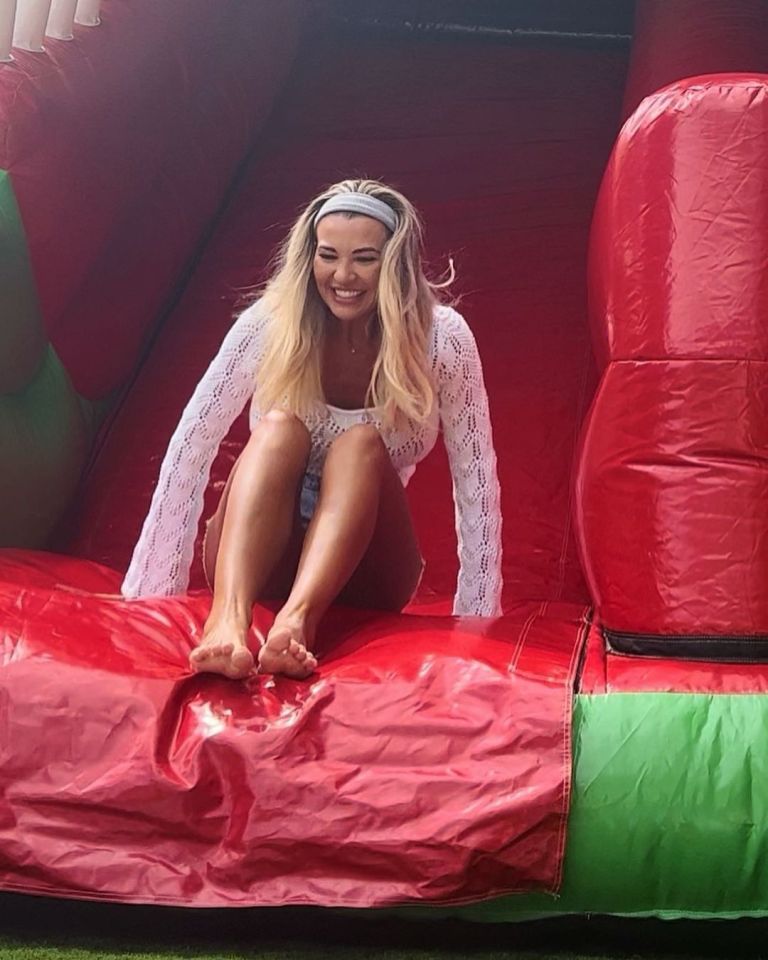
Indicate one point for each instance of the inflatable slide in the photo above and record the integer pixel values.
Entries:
(598, 174)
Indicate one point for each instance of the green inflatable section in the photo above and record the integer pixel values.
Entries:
(22, 341)
(45, 427)
(669, 815)
(45, 438)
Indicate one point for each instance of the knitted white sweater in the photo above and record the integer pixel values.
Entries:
(163, 555)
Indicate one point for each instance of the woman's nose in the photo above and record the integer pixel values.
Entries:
(345, 271)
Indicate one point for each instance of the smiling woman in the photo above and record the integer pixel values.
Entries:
(353, 368)
(347, 266)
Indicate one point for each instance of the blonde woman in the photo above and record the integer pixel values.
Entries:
(352, 368)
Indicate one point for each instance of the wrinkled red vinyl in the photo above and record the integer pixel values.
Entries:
(428, 759)
(672, 482)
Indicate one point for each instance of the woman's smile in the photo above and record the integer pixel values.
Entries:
(347, 264)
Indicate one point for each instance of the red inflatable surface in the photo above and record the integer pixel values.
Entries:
(502, 148)
(118, 178)
(672, 483)
(428, 759)
(606, 671)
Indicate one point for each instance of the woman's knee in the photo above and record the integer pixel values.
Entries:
(281, 429)
(362, 442)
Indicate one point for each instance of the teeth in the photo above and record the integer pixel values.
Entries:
(347, 294)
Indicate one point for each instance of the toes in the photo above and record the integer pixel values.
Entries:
(241, 665)
(283, 653)
(278, 644)
(242, 659)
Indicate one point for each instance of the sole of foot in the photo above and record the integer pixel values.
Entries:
(235, 663)
(283, 654)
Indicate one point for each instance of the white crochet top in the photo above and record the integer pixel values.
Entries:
(163, 555)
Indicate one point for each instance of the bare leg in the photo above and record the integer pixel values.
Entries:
(249, 538)
(360, 544)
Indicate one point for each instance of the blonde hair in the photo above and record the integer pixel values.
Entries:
(401, 383)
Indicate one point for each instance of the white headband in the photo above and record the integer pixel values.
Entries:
(359, 203)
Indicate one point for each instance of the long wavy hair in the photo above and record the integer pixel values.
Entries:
(401, 384)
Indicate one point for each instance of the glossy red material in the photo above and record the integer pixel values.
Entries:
(502, 151)
(672, 486)
(117, 181)
(606, 672)
(675, 39)
(427, 760)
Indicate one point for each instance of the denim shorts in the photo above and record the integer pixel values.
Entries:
(310, 491)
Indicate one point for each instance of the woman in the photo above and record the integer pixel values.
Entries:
(351, 366)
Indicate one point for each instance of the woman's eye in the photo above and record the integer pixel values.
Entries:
(366, 259)
(326, 256)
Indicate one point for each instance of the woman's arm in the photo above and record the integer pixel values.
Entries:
(163, 555)
(466, 424)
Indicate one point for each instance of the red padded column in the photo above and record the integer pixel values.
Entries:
(675, 39)
(673, 481)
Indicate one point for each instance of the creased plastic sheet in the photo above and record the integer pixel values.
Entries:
(428, 759)
(669, 811)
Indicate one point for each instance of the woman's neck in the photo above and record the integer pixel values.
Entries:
(355, 335)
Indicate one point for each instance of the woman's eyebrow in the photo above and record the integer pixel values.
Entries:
(327, 248)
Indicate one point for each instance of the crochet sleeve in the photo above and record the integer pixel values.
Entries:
(466, 425)
(163, 555)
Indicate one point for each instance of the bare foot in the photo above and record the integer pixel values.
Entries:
(223, 650)
(285, 650)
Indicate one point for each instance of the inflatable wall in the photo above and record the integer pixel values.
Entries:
(598, 177)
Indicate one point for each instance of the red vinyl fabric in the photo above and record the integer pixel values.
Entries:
(675, 39)
(120, 145)
(427, 760)
(672, 482)
(605, 671)
(502, 148)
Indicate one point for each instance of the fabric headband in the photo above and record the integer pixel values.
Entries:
(359, 203)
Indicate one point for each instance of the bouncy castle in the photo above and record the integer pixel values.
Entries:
(598, 173)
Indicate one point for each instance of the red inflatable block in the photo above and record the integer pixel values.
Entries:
(673, 39)
(678, 243)
(672, 483)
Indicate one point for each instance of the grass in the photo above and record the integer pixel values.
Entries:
(39, 929)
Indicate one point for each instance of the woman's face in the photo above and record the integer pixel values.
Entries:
(347, 264)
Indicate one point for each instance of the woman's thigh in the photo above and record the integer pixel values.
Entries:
(280, 582)
(390, 570)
